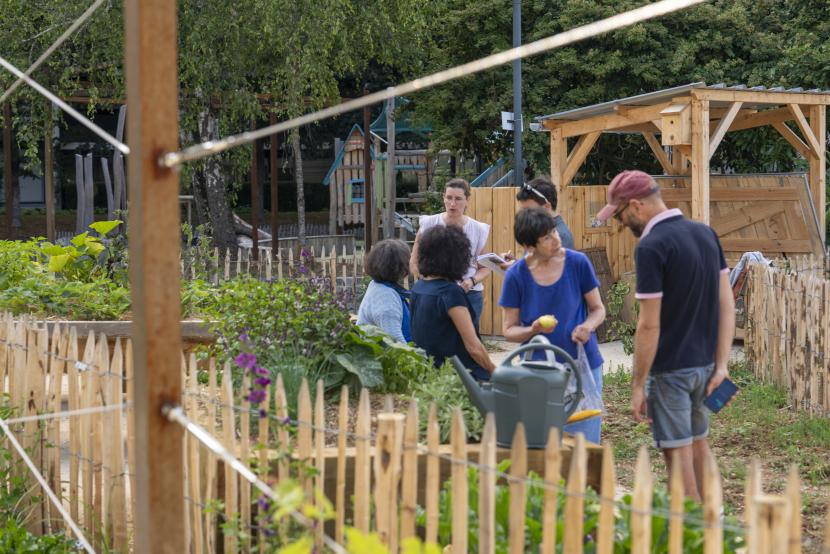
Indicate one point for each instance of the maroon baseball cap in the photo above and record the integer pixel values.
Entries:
(627, 186)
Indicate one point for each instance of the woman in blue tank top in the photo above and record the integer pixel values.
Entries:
(552, 280)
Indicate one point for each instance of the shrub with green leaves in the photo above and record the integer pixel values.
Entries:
(693, 530)
(443, 387)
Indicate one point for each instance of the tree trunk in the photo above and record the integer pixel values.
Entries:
(211, 178)
(16, 212)
(298, 174)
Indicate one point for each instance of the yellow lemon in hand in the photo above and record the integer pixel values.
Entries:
(548, 322)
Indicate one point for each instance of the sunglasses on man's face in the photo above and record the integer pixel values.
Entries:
(530, 189)
(619, 211)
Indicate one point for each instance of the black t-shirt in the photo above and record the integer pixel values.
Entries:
(431, 325)
(680, 261)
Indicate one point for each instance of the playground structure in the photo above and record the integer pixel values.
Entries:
(346, 179)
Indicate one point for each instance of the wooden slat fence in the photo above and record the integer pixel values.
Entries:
(87, 460)
(342, 270)
(788, 329)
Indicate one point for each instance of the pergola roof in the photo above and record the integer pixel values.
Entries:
(665, 95)
(692, 120)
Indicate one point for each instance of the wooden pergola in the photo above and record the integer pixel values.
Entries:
(692, 120)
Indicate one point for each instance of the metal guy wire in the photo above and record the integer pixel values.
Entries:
(49, 492)
(48, 52)
(120, 146)
(176, 414)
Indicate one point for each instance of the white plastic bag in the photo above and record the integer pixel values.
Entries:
(591, 398)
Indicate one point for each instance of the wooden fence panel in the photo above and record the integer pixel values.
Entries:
(773, 522)
(641, 505)
(553, 462)
(388, 449)
(460, 489)
(487, 487)
(518, 490)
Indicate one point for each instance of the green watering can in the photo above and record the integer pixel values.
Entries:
(532, 391)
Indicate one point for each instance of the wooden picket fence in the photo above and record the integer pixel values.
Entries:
(227, 264)
(788, 329)
(375, 468)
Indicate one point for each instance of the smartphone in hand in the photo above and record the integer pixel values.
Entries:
(720, 396)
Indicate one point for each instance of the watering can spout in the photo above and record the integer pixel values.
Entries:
(481, 397)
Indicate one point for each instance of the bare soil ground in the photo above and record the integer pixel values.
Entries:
(759, 423)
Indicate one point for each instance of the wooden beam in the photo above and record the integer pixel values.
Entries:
(256, 199)
(274, 163)
(744, 217)
(657, 148)
(723, 126)
(799, 246)
(49, 179)
(558, 158)
(794, 140)
(577, 156)
(700, 160)
(818, 168)
(804, 126)
(152, 94)
(766, 194)
(608, 122)
(760, 97)
(648, 127)
(759, 119)
(7, 167)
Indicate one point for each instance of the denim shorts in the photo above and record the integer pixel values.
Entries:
(675, 406)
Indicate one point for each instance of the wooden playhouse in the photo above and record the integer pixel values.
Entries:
(345, 179)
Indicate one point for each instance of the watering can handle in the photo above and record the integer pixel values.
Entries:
(540, 342)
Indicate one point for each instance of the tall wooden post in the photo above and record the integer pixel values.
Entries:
(700, 160)
(256, 201)
(818, 167)
(49, 180)
(275, 235)
(152, 94)
(389, 207)
(558, 158)
(369, 225)
(7, 166)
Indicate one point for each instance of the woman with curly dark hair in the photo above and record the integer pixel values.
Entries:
(442, 318)
(456, 200)
(386, 302)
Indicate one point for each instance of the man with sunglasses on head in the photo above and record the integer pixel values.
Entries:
(686, 322)
(540, 193)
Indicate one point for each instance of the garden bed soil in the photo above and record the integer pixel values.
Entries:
(759, 423)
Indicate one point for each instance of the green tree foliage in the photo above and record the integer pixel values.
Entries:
(756, 42)
(233, 58)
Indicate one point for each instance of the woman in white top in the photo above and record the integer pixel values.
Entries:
(456, 199)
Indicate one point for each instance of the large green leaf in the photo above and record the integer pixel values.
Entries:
(94, 246)
(79, 240)
(53, 249)
(57, 263)
(104, 227)
(362, 363)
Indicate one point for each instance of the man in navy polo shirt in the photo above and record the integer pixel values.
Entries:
(686, 323)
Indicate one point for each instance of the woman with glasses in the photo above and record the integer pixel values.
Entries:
(552, 280)
(456, 199)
